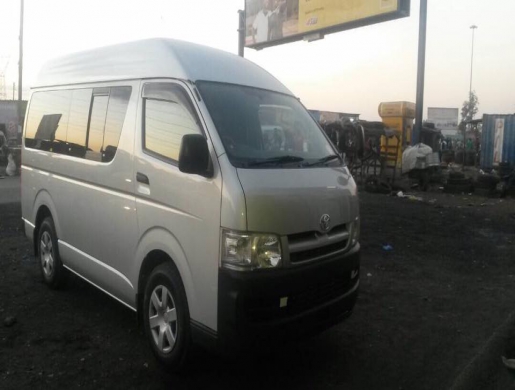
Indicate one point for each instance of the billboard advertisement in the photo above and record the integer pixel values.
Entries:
(444, 118)
(273, 22)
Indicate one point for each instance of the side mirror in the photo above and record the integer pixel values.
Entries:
(194, 155)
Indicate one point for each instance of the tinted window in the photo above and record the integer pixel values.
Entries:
(78, 122)
(167, 121)
(96, 128)
(48, 121)
(118, 101)
(58, 121)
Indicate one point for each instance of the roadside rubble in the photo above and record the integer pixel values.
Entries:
(9, 321)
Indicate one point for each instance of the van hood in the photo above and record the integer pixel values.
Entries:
(290, 201)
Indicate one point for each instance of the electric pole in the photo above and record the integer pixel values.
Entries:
(20, 71)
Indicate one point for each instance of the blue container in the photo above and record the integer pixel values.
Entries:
(488, 141)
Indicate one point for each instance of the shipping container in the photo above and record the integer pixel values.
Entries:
(497, 140)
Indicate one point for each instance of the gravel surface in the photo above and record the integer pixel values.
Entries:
(426, 308)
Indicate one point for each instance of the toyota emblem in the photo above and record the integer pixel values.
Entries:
(324, 222)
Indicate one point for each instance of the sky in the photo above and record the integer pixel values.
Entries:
(351, 71)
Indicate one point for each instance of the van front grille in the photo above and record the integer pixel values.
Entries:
(310, 254)
(308, 246)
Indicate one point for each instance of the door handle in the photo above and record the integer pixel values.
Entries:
(140, 177)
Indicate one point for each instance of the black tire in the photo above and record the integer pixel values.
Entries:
(504, 190)
(424, 180)
(488, 181)
(167, 276)
(371, 184)
(456, 175)
(459, 182)
(458, 188)
(485, 192)
(483, 186)
(52, 270)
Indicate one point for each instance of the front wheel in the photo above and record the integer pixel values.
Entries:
(166, 317)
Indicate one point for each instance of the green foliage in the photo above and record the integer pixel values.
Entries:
(470, 107)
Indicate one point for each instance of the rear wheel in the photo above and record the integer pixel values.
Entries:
(52, 270)
(166, 317)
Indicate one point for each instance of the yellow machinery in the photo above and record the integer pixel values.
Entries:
(398, 116)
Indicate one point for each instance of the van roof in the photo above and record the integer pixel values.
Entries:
(156, 58)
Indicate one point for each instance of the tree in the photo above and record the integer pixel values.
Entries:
(470, 108)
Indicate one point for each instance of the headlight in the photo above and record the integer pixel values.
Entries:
(248, 251)
(355, 231)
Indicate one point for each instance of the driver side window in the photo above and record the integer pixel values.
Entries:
(168, 116)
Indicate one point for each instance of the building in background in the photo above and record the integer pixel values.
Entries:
(445, 119)
(9, 119)
(326, 117)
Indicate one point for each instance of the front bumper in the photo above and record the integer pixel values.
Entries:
(255, 307)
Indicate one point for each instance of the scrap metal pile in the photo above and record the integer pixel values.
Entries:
(365, 146)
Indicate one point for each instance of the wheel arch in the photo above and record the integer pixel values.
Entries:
(156, 247)
(43, 207)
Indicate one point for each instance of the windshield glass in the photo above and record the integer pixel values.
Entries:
(263, 129)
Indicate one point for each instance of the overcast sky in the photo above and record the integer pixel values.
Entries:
(351, 71)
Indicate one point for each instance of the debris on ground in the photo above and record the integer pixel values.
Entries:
(387, 248)
(377, 185)
(401, 194)
(509, 363)
(9, 321)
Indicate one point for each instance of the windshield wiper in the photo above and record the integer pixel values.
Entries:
(275, 160)
(323, 160)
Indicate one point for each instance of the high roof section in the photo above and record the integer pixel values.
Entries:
(153, 58)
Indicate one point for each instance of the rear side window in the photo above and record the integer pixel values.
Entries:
(84, 123)
(78, 122)
(97, 122)
(47, 124)
(169, 115)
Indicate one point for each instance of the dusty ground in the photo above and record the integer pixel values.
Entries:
(425, 310)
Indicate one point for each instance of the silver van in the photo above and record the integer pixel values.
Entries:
(194, 188)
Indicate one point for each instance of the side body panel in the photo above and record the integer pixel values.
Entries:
(179, 214)
(92, 204)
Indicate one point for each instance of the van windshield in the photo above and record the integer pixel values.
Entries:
(264, 129)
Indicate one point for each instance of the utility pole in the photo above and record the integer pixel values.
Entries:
(20, 70)
(473, 28)
(241, 32)
(14, 89)
(421, 70)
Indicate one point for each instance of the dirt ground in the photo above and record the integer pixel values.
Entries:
(426, 308)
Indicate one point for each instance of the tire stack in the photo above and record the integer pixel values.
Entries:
(486, 185)
(447, 156)
(457, 184)
(504, 169)
(375, 185)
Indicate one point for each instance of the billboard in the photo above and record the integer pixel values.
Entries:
(444, 118)
(273, 22)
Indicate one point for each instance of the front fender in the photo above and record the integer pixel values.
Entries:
(161, 239)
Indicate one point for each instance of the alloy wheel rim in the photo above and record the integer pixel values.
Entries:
(162, 317)
(47, 254)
